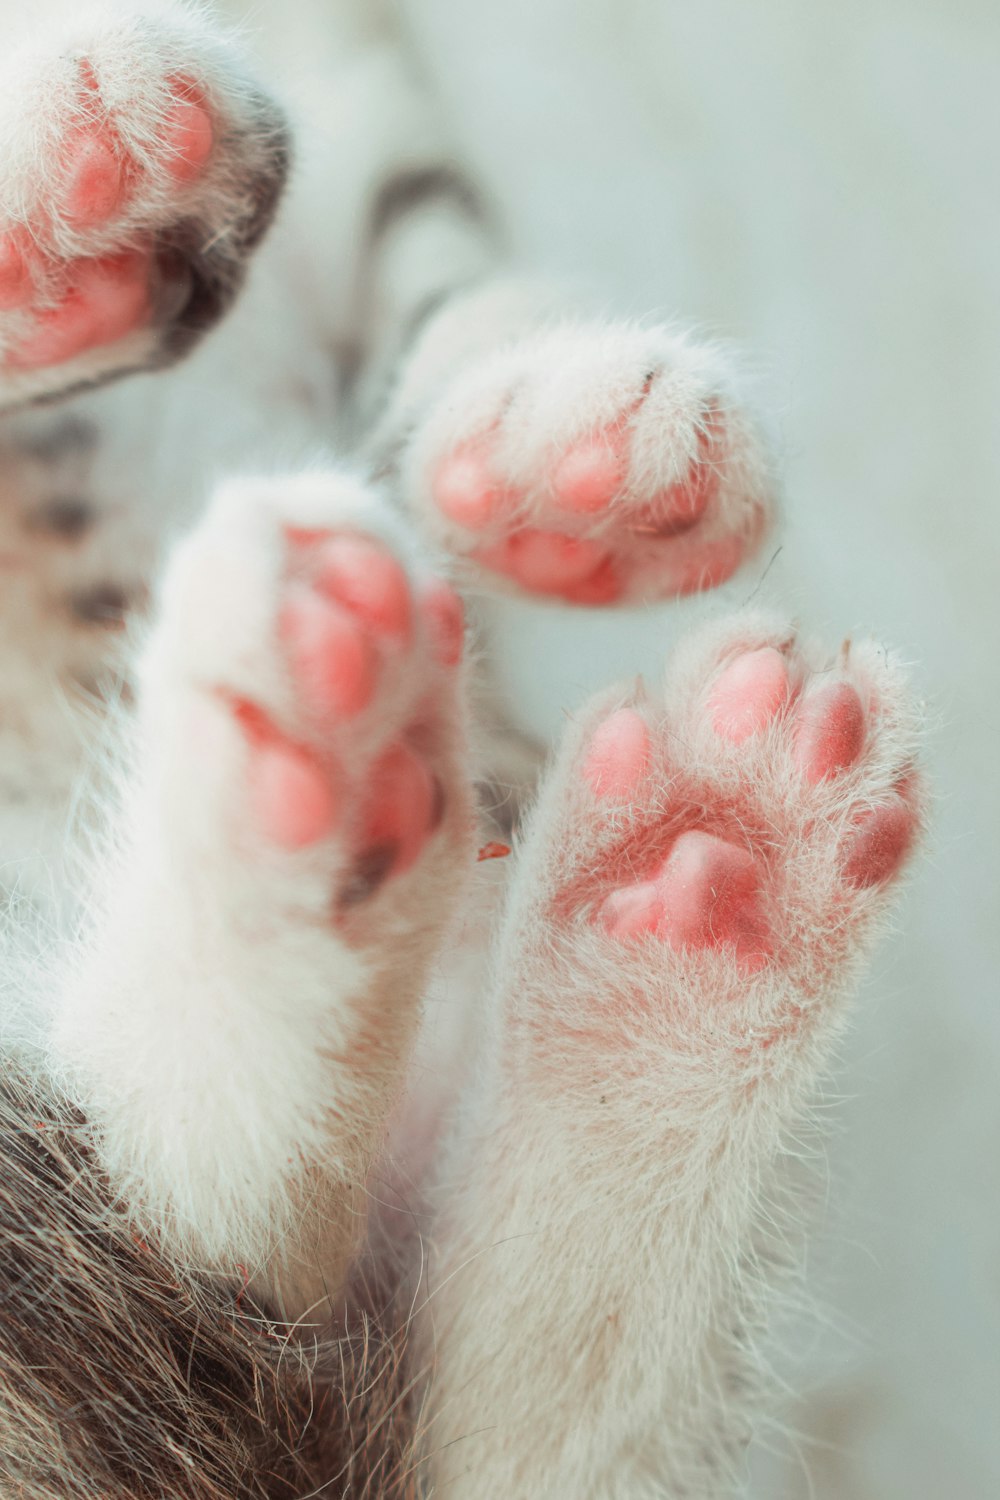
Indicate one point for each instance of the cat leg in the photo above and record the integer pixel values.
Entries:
(584, 460)
(292, 846)
(141, 166)
(390, 220)
(693, 904)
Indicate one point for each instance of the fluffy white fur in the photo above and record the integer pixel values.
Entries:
(593, 1299)
(607, 1190)
(218, 1016)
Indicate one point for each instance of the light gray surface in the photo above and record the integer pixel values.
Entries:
(819, 183)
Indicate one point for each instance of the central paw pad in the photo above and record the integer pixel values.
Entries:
(704, 895)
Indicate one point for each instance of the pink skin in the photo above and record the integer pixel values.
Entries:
(188, 133)
(880, 843)
(444, 617)
(96, 166)
(749, 694)
(110, 299)
(293, 800)
(705, 892)
(603, 587)
(704, 895)
(400, 813)
(465, 488)
(617, 756)
(97, 181)
(699, 568)
(88, 303)
(337, 627)
(545, 562)
(830, 732)
(632, 911)
(16, 280)
(333, 656)
(590, 474)
(357, 573)
(656, 546)
(708, 888)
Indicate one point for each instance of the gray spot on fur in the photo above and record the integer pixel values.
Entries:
(414, 188)
(369, 871)
(105, 604)
(66, 438)
(66, 517)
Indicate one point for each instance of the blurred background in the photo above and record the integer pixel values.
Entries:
(819, 185)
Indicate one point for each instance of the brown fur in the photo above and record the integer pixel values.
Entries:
(123, 1377)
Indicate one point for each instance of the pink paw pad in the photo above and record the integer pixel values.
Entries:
(96, 177)
(16, 280)
(465, 488)
(681, 506)
(709, 890)
(346, 606)
(188, 134)
(632, 911)
(99, 170)
(361, 575)
(332, 656)
(445, 617)
(627, 509)
(749, 694)
(829, 731)
(294, 802)
(546, 562)
(708, 566)
(402, 808)
(603, 586)
(670, 513)
(879, 843)
(109, 299)
(618, 755)
(705, 895)
(590, 474)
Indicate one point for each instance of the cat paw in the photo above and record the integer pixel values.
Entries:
(302, 690)
(595, 465)
(140, 169)
(730, 844)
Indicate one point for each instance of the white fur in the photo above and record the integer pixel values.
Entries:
(216, 1023)
(207, 1010)
(613, 1179)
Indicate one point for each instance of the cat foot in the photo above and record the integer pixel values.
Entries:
(321, 663)
(596, 466)
(732, 843)
(139, 172)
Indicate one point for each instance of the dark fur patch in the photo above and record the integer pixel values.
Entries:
(124, 1376)
(213, 273)
(67, 437)
(412, 189)
(67, 517)
(105, 604)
